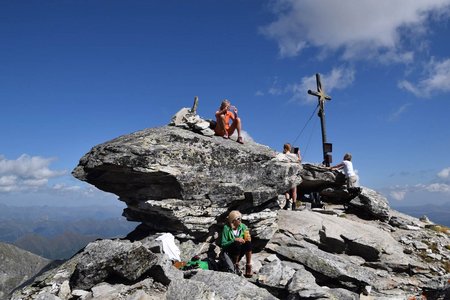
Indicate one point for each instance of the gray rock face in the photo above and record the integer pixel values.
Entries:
(191, 289)
(331, 187)
(104, 259)
(317, 178)
(178, 181)
(373, 203)
(159, 163)
(275, 274)
(230, 286)
(332, 266)
(110, 260)
(340, 235)
(16, 267)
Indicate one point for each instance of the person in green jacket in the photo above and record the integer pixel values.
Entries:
(236, 242)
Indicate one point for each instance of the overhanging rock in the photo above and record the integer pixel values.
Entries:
(178, 181)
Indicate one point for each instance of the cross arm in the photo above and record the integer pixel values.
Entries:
(319, 95)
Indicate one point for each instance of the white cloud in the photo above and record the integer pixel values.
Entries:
(65, 187)
(276, 88)
(8, 180)
(436, 79)
(416, 195)
(26, 172)
(338, 78)
(27, 180)
(398, 195)
(275, 91)
(434, 192)
(359, 28)
(444, 174)
(60, 195)
(438, 188)
(35, 182)
(406, 85)
(395, 115)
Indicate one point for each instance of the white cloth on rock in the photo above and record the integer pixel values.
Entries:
(169, 247)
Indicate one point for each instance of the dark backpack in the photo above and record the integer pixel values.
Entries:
(212, 264)
(225, 263)
(316, 202)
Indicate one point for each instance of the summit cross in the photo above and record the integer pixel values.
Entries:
(321, 97)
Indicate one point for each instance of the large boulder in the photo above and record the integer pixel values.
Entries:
(119, 260)
(341, 235)
(178, 181)
(330, 185)
(316, 178)
(372, 203)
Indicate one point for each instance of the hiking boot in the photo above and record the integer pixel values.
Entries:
(289, 205)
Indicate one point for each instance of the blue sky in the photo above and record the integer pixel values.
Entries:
(74, 74)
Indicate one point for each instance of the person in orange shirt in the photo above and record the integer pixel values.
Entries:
(223, 117)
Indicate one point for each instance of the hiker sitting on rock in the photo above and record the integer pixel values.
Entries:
(223, 116)
(347, 165)
(291, 195)
(236, 242)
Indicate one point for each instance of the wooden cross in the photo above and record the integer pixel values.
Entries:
(321, 97)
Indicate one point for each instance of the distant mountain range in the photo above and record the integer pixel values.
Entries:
(439, 214)
(59, 232)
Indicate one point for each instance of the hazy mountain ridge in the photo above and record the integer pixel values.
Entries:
(439, 214)
(59, 232)
(62, 213)
(61, 246)
(17, 266)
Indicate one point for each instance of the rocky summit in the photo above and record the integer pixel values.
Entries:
(175, 179)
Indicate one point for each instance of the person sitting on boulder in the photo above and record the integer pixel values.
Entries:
(347, 165)
(291, 195)
(236, 242)
(226, 113)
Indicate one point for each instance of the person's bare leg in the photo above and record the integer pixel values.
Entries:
(236, 125)
(287, 196)
(248, 257)
(294, 197)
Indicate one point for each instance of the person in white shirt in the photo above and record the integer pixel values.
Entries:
(347, 165)
(291, 195)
